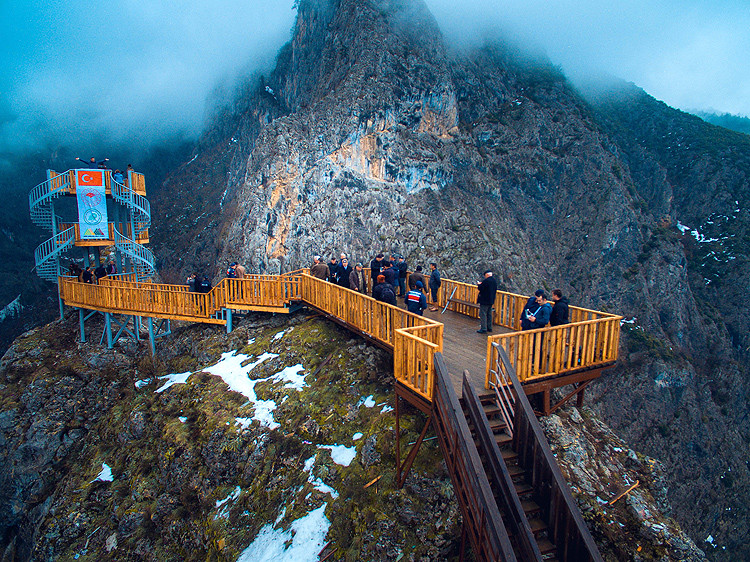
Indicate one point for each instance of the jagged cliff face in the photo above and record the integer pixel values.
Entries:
(371, 135)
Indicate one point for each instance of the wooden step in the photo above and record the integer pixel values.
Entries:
(530, 508)
(516, 473)
(509, 455)
(503, 439)
(546, 547)
(537, 526)
(497, 425)
(523, 490)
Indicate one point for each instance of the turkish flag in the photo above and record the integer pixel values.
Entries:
(92, 178)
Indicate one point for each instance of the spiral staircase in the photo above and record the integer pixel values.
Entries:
(47, 255)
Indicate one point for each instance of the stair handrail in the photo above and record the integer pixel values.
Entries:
(500, 474)
(138, 252)
(488, 535)
(43, 193)
(563, 515)
(53, 247)
(135, 201)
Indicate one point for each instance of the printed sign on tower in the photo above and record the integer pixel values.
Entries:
(92, 204)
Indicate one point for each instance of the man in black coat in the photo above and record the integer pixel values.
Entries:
(560, 312)
(343, 272)
(486, 299)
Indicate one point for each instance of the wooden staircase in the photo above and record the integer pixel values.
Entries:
(521, 488)
(523, 493)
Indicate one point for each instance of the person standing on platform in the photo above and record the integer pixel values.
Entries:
(402, 268)
(333, 269)
(343, 272)
(87, 276)
(486, 299)
(416, 276)
(384, 291)
(357, 280)
(319, 270)
(100, 272)
(191, 280)
(231, 271)
(536, 314)
(416, 302)
(111, 267)
(239, 271)
(560, 311)
(375, 267)
(391, 274)
(434, 285)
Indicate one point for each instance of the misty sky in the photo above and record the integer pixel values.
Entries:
(141, 71)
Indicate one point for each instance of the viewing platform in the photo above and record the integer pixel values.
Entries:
(547, 358)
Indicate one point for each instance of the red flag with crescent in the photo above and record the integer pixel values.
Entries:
(93, 178)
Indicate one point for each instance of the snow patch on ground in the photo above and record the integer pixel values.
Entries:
(223, 505)
(367, 401)
(357, 436)
(340, 454)
(105, 475)
(304, 539)
(174, 378)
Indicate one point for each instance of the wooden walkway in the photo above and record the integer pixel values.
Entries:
(463, 348)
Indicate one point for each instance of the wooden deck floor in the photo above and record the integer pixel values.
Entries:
(463, 348)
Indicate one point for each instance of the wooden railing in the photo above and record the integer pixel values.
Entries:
(142, 299)
(566, 527)
(499, 475)
(414, 338)
(557, 350)
(481, 516)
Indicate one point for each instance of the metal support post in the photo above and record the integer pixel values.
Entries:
(62, 306)
(151, 336)
(228, 313)
(80, 323)
(108, 327)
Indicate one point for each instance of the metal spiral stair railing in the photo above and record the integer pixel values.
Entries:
(141, 257)
(46, 254)
(41, 197)
(138, 205)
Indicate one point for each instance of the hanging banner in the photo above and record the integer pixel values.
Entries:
(92, 204)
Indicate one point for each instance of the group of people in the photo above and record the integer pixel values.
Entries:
(537, 313)
(198, 283)
(117, 175)
(388, 279)
(89, 275)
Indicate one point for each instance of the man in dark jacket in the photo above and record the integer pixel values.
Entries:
(416, 277)
(333, 267)
(402, 268)
(357, 279)
(536, 314)
(343, 272)
(375, 266)
(560, 311)
(434, 284)
(486, 299)
(391, 274)
(383, 291)
(416, 302)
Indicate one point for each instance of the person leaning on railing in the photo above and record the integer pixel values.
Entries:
(536, 312)
(560, 311)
